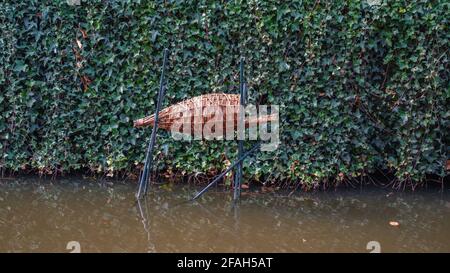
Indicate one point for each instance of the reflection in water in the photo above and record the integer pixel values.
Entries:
(43, 216)
(143, 211)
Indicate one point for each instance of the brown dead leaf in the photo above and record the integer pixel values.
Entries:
(86, 82)
(84, 33)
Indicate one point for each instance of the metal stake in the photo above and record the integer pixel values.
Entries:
(148, 164)
(249, 152)
(241, 131)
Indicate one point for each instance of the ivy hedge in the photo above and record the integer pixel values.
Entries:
(362, 85)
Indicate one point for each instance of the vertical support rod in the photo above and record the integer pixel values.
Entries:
(241, 126)
(148, 164)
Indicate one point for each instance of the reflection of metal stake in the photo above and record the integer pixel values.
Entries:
(148, 164)
(237, 220)
(145, 222)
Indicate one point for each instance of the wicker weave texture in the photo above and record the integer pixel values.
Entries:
(203, 110)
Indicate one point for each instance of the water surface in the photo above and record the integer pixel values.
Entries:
(44, 216)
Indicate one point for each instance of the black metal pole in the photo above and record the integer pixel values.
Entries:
(148, 164)
(241, 131)
(249, 152)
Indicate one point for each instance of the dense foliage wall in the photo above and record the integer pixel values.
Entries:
(361, 85)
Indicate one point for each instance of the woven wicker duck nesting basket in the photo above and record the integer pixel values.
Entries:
(201, 110)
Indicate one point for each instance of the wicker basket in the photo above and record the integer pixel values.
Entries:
(202, 109)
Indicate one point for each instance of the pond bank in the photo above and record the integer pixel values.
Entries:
(379, 179)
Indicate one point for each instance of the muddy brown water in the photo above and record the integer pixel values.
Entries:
(51, 216)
